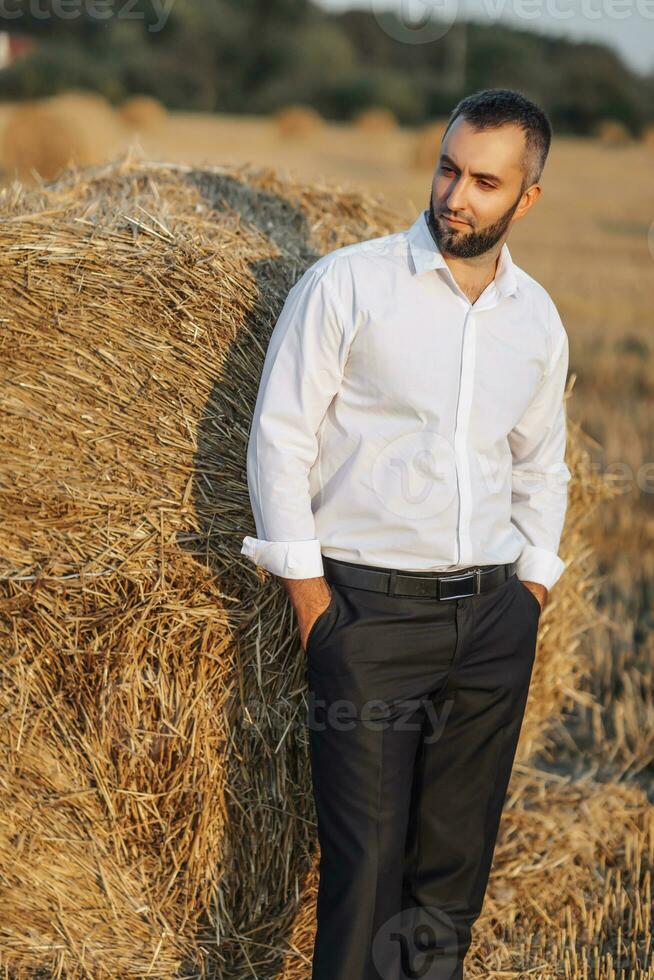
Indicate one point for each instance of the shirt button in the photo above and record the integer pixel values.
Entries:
(292, 563)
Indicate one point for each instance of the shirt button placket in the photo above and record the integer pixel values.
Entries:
(461, 435)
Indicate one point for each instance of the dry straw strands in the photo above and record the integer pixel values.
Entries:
(154, 776)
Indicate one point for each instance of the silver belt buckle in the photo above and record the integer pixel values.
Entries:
(455, 578)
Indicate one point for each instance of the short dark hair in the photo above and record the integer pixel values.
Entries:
(494, 107)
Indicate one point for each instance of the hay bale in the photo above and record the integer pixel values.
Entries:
(612, 133)
(376, 120)
(43, 137)
(647, 135)
(152, 661)
(152, 291)
(142, 112)
(83, 895)
(36, 141)
(7, 109)
(426, 147)
(298, 121)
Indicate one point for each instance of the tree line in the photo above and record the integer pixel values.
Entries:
(255, 56)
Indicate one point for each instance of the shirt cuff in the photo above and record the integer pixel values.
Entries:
(539, 565)
(290, 559)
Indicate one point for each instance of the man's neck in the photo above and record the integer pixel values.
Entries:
(472, 275)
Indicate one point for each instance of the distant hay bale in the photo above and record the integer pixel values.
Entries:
(427, 144)
(37, 140)
(7, 109)
(82, 98)
(45, 136)
(154, 778)
(647, 135)
(95, 116)
(142, 112)
(297, 121)
(611, 132)
(376, 120)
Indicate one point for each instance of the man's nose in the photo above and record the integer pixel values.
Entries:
(457, 196)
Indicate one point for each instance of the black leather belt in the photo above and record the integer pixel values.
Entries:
(428, 585)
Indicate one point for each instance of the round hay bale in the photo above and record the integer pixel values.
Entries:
(427, 144)
(83, 99)
(150, 670)
(45, 136)
(60, 867)
(101, 127)
(612, 133)
(298, 121)
(376, 120)
(37, 141)
(142, 112)
(647, 135)
(151, 296)
(6, 111)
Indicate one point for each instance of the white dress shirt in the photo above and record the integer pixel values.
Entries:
(399, 425)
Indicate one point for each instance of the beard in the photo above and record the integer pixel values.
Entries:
(466, 245)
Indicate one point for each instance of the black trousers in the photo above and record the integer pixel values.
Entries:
(415, 708)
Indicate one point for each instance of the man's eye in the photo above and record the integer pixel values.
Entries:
(486, 185)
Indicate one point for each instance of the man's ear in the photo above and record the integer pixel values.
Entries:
(527, 201)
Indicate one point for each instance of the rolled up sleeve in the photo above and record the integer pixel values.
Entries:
(302, 372)
(540, 475)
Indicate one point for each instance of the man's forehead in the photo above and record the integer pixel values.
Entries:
(501, 147)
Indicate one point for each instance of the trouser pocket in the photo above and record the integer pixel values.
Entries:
(322, 618)
(532, 597)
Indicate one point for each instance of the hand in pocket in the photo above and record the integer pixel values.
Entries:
(536, 595)
(307, 625)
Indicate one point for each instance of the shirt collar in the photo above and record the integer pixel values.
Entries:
(426, 255)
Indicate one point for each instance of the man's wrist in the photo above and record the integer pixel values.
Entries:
(308, 594)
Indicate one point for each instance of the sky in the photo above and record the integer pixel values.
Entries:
(626, 25)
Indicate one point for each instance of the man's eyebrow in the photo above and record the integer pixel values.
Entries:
(484, 176)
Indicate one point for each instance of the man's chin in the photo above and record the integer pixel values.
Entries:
(456, 246)
(451, 235)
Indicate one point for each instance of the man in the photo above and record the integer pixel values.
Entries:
(407, 478)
